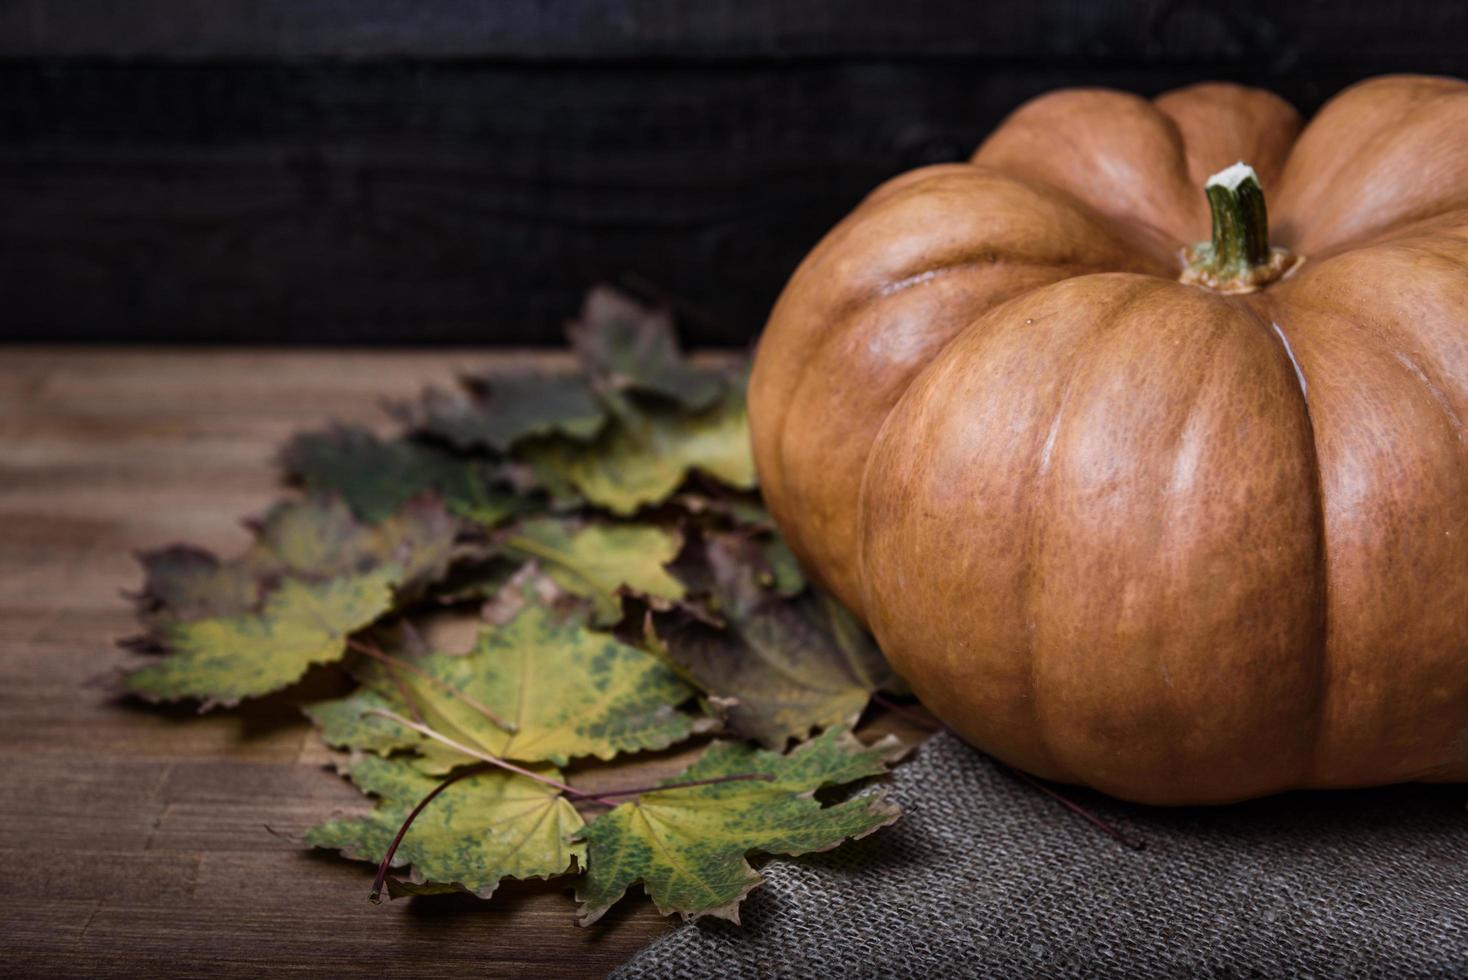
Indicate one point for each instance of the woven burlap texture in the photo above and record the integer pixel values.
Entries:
(985, 876)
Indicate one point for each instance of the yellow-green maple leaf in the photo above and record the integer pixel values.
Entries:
(224, 659)
(506, 409)
(313, 575)
(318, 538)
(358, 721)
(626, 346)
(567, 691)
(647, 453)
(377, 476)
(486, 827)
(596, 560)
(687, 845)
(309, 539)
(778, 667)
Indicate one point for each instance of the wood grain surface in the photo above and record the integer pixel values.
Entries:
(153, 841)
(436, 172)
(711, 30)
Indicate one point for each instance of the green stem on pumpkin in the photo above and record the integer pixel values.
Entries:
(1238, 258)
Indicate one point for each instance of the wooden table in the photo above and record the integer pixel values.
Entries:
(152, 840)
(135, 839)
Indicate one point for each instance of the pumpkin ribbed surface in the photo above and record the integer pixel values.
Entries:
(1174, 544)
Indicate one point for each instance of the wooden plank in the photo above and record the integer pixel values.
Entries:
(150, 840)
(473, 202)
(386, 171)
(135, 838)
(718, 29)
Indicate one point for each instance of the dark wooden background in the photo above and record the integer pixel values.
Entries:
(435, 171)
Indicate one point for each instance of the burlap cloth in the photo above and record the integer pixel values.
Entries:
(984, 876)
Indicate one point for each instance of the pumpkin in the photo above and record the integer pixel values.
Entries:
(1141, 482)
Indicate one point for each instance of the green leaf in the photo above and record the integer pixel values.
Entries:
(779, 667)
(648, 452)
(491, 506)
(511, 408)
(782, 571)
(486, 827)
(625, 346)
(255, 624)
(376, 477)
(596, 560)
(537, 467)
(568, 692)
(688, 846)
(318, 538)
(310, 540)
(223, 660)
(350, 722)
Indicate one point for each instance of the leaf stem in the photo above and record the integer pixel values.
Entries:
(604, 797)
(762, 777)
(444, 686)
(405, 694)
(482, 756)
(375, 897)
(487, 762)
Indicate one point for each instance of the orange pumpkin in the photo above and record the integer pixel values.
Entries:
(1186, 523)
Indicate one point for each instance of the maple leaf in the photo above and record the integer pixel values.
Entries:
(783, 569)
(727, 610)
(486, 827)
(741, 514)
(491, 506)
(359, 721)
(739, 561)
(565, 690)
(529, 585)
(311, 539)
(688, 846)
(625, 346)
(778, 668)
(501, 411)
(255, 624)
(376, 476)
(648, 452)
(740, 509)
(596, 560)
(222, 660)
(318, 538)
(482, 578)
(538, 466)
(745, 515)
(183, 582)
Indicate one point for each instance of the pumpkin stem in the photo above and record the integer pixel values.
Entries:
(1239, 258)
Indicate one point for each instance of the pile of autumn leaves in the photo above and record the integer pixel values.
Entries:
(632, 594)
